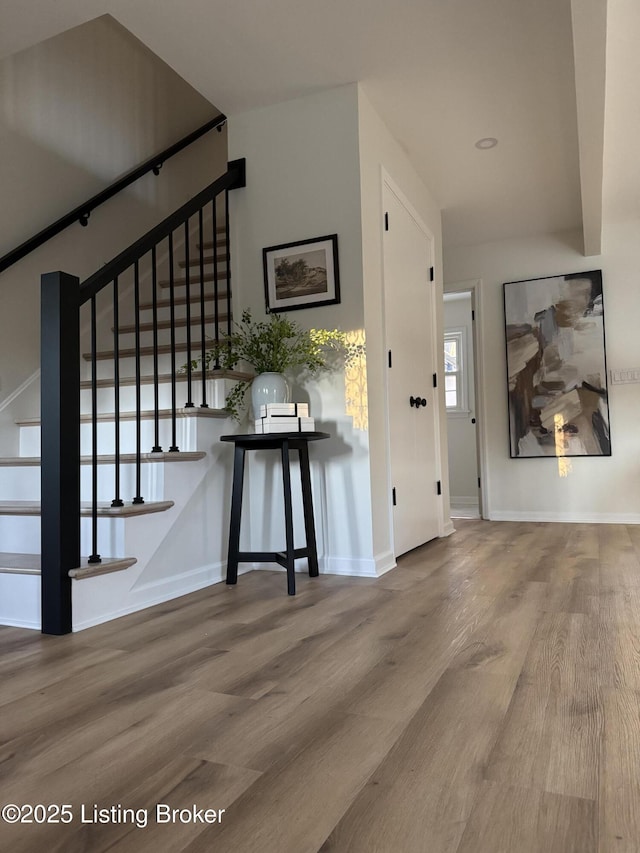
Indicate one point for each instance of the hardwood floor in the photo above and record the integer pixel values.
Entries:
(484, 697)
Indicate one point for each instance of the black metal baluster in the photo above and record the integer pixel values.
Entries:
(216, 289)
(172, 314)
(95, 557)
(189, 403)
(228, 254)
(203, 343)
(138, 499)
(117, 500)
(156, 392)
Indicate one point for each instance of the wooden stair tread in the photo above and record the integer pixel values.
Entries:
(106, 566)
(194, 279)
(19, 564)
(183, 412)
(129, 352)
(166, 324)
(105, 510)
(109, 458)
(31, 564)
(194, 260)
(182, 300)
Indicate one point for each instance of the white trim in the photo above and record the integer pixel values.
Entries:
(17, 391)
(567, 517)
(354, 567)
(459, 334)
(448, 529)
(165, 589)
(475, 287)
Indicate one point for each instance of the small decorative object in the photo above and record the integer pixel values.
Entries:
(274, 345)
(268, 388)
(302, 275)
(284, 417)
(556, 366)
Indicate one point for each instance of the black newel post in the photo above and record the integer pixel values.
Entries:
(60, 428)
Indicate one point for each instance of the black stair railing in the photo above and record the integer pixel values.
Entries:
(108, 294)
(82, 213)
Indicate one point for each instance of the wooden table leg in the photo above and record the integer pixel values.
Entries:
(288, 520)
(307, 503)
(236, 515)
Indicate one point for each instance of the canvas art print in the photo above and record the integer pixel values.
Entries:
(303, 274)
(556, 366)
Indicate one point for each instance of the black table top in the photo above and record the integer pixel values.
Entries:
(261, 439)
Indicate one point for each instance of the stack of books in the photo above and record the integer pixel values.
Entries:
(284, 417)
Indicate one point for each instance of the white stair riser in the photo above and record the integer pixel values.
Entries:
(216, 390)
(187, 429)
(21, 534)
(104, 367)
(127, 340)
(23, 483)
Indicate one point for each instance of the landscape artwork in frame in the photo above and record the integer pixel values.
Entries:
(556, 366)
(302, 275)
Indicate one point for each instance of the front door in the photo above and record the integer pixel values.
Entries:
(412, 399)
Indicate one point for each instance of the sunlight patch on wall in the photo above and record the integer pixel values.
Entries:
(355, 379)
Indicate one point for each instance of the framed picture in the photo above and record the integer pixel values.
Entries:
(556, 366)
(302, 275)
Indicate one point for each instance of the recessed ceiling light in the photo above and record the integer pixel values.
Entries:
(486, 142)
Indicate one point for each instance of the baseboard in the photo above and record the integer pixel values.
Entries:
(20, 598)
(566, 517)
(384, 562)
(355, 567)
(163, 590)
(447, 529)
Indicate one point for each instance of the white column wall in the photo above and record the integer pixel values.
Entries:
(303, 182)
(379, 151)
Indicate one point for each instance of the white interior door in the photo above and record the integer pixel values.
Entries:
(409, 329)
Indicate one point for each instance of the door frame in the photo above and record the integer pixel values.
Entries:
(474, 286)
(436, 350)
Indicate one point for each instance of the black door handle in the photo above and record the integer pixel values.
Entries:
(417, 401)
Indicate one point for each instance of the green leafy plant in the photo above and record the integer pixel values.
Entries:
(274, 345)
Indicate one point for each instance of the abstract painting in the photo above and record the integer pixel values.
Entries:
(556, 366)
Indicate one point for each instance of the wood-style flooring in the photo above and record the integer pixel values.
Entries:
(483, 697)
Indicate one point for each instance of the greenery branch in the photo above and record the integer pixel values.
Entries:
(274, 345)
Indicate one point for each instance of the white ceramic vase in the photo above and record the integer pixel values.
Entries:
(268, 388)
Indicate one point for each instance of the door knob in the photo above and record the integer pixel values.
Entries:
(417, 401)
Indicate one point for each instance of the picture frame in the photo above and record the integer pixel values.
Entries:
(558, 397)
(303, 274)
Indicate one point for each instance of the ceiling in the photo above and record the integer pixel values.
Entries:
(441, 73)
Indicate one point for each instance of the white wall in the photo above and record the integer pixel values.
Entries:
(463, 466)
(593, 489)
(379, 150)
(303, 182)
(77, 112)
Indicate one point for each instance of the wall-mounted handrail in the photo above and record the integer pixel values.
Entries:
(83, 211)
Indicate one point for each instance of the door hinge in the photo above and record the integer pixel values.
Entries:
(473, 315)
(431, 273)
(439, 487)
(435, 380)
(478, 482)
(390, 359)
(386, 222)
(393, 495)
